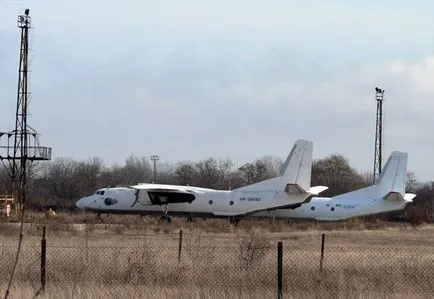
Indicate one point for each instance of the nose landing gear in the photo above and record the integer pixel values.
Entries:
(165, 216)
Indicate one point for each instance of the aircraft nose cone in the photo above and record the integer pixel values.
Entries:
(80, 204)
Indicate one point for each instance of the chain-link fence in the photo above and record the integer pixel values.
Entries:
(191, 265)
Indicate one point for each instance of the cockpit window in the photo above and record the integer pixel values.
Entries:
(101, 192)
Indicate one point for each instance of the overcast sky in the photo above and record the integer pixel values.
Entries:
(240, 79)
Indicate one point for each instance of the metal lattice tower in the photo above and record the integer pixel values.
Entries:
(379, 135)
(20, 147)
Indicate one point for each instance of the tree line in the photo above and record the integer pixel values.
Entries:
(59, 183)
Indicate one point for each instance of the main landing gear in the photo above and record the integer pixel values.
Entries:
(234, 220)
(165, 216)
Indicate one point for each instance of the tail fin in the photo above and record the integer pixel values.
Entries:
(296, 170)
(295, 174)
(390, 184)
(393, 178)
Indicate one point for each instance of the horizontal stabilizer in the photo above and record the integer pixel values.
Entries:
(393, 196)
(297, 189)
(317, 189)
(294, 189)
(398, 196)
(409, 197)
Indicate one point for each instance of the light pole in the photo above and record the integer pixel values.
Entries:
(154, 159)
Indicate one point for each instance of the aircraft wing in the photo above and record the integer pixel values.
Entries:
(157, 194)
(169, 188)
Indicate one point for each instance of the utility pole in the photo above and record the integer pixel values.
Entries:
(379, 135)
(155, 159)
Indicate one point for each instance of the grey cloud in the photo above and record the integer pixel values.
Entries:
(187, 93)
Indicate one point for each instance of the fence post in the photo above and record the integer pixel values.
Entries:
(43, 256)
(322, 252)
(180, 246)
(279, 271)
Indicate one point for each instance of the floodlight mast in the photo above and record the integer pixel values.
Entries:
(378, 154)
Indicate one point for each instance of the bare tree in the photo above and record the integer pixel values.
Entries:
(214, 174)
(261, 169)
(136, 170)
(411, 182)
(249, 172)
(185, 173)
(335, 172)
(166, 173)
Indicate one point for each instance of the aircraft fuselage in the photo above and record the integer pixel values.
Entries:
(198, 201)
(330, 209)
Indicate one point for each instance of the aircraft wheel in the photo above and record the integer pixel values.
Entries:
(234, 221)
(167, 218)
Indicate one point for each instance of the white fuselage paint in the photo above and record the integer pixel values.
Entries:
(330, 209)
(218, 203)
(207, 201)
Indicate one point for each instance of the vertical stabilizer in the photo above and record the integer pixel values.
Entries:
(394, 174)
(298, 165)
(390, 184)
(295, 174)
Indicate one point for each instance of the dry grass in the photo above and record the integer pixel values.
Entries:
(97, 291)
(139, 258)
(134, 224)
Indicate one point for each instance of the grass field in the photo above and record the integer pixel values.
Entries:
(135, 258)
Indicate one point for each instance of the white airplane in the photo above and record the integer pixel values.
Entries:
(387, 194)
(290, 188)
